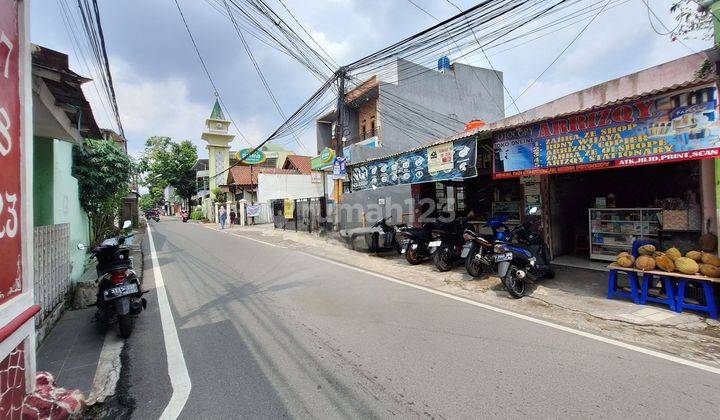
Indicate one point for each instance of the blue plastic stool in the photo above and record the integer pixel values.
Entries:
(669, 285)
(710, 305)
(637, 243)
(614, 292)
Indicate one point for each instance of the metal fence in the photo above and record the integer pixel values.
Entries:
(51, 267)
(309, 215)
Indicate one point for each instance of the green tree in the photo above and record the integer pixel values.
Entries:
(104, 173)
(692, 21)
(166, 163)
(151, 199)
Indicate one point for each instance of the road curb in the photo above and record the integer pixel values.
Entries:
(110, 365)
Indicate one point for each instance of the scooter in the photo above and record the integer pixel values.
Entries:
(373, 236)
(477, 252)
(448, 243)
(184, 217)
(415, 242)
(518, 264)
(119, 297)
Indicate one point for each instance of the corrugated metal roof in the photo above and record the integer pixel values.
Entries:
(488, 129)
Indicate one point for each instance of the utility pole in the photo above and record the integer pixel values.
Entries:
(341, 135)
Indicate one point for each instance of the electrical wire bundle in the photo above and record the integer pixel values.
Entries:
(492, 26)
(90, 48)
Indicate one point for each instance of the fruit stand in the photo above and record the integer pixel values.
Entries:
(673, 272)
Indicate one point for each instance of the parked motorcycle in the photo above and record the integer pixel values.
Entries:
(378, 238)
(152, 215)
(119, 298)
(415, 242)
(477, 252)
(448, 242)
(389, 235)
(519, 263)
(184, 216)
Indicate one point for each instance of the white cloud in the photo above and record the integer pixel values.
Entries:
(160, 106)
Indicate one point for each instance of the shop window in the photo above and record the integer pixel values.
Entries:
(460, 198)
(450, 197)
(440, 196)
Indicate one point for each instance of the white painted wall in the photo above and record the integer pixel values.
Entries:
(277, 186)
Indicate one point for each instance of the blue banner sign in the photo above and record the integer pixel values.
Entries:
(671, 127)
(447, 161)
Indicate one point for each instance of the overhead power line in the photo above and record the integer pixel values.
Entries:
(563, 51)
(216, 92)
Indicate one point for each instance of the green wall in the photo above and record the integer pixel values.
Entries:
(43, 160)
(55, 196)
(67, 205)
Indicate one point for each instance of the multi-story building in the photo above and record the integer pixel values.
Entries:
(403, 106)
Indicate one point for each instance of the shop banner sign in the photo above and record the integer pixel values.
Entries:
(10, 159)
(647, 131)
(289, 209)
(253, 210)
(339, 168)
(444, 162)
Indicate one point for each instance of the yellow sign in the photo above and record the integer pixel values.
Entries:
(440, 158)
(289, 209)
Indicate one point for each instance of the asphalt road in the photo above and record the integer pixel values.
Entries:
(269, 332)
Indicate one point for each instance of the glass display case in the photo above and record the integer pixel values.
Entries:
(614, 230)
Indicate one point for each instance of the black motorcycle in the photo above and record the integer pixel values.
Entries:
(389, 236)
(119, 298)
(477, 252)
(415, 242)
(447, 243)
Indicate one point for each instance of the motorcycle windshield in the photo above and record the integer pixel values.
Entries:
(109, 242)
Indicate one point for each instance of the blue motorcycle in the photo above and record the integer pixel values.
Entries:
(519, 263)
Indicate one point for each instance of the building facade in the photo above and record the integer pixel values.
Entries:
(404, 106)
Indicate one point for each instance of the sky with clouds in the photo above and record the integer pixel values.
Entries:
(162, 90)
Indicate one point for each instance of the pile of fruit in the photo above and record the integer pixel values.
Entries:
(671, 260)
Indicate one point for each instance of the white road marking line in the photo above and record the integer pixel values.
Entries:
(591, 336)
(244, 237)
(543, 322)
(177, 369)
(257, 240)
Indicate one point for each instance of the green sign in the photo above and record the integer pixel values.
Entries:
(250, 159)
(323, 160)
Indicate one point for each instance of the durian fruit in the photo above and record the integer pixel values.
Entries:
(645, 262)
(711, 259)
(710, 270)
(624, 259)
(694, 255)
(664, 262)
(673, 253)
(646, 249)
(686, 265)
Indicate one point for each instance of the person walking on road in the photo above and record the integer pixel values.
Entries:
(222, 216)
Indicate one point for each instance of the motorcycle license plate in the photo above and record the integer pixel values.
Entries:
(507, 256)
(120, 291)
(435, 244)
(466, 250)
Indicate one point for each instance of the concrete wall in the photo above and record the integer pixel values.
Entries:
(277, 186)
(67, 205)
(465, 93)
(675, 72)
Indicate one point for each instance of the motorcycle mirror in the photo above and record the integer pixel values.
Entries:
(81, 246)
(126, 224)
(533, 210)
